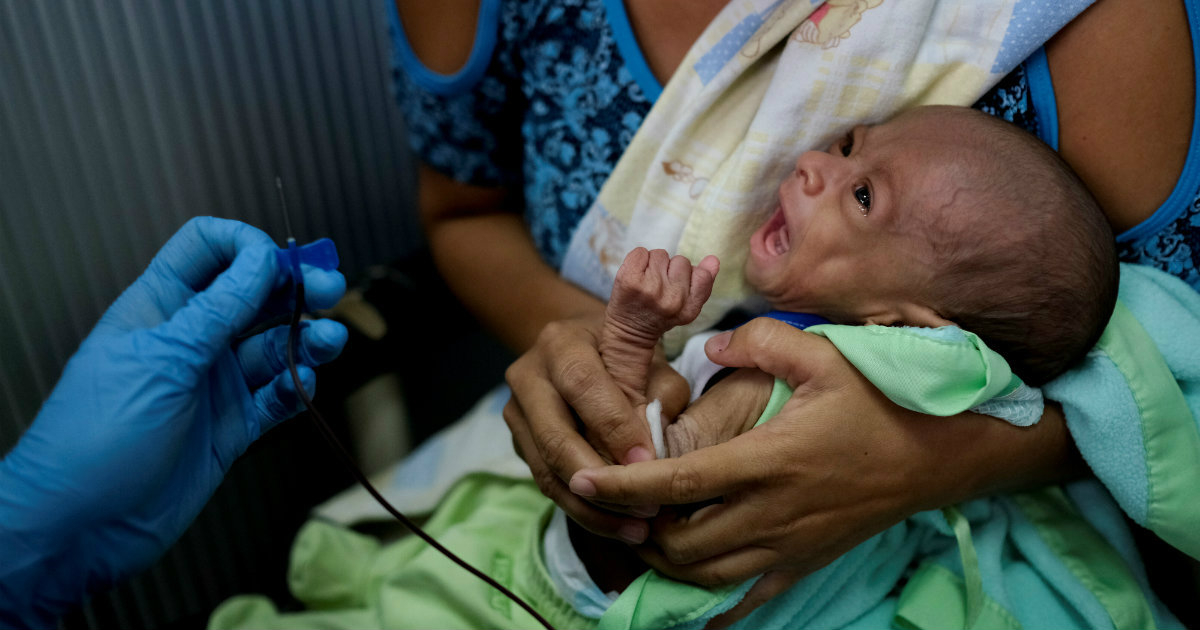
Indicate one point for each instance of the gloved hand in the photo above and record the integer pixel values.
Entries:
(150, 413)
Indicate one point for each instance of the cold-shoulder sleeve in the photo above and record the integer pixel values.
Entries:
(465, 125)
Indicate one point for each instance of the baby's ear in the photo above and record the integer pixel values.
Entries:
(908, 314)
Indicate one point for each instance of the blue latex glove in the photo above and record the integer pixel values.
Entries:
(150, 413)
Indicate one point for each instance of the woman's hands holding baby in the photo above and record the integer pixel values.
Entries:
(562, 372)
(838, 464)
(819, 478)
(606, 369)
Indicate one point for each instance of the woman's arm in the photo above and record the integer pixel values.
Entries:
(488, 259)
(480, 245)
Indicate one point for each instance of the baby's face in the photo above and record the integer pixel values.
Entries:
(846, 237)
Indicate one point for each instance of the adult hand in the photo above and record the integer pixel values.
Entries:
(150, 413)
(838, 464)
(824, 474)
(563, 375)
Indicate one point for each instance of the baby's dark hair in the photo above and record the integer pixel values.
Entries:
(1031, 267)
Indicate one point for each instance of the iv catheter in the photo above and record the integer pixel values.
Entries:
(323, 254)
(320, 253)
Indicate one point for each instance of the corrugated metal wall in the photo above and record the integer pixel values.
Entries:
(121, 119)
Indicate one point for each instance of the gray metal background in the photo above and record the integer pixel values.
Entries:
(118, 121)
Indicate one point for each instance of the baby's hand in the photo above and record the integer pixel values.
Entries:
(654, 292)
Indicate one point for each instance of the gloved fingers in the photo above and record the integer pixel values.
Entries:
(186, 264)
(210, 320)
(265, 355)
(205, 246)
(278, 400)
(322, 289)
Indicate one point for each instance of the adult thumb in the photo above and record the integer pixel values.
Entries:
(774, 347)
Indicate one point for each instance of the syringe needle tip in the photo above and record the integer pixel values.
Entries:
(283, 206)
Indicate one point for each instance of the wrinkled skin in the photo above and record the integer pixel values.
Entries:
(652, 293)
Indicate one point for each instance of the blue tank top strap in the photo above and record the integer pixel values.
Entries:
(552, 94)
(487, 26)
(630, 50)
(463, 125)
(1041, 97)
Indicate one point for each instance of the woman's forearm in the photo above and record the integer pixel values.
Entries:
(490, 263)
(990, 456)
(488, 259)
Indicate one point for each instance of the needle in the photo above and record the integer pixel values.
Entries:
(287, 224)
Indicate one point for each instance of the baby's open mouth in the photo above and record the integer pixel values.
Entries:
(776, 237)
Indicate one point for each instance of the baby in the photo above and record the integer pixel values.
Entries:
(941, 216)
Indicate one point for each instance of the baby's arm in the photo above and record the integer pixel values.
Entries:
(652, 294)
(729, 408)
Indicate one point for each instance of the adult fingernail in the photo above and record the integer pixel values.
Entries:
(582, 487)
(644, 511)
(718, 343)
(632, 534)
(638, 454)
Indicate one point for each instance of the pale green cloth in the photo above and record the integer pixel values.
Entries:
(348, 580)
(941, 372)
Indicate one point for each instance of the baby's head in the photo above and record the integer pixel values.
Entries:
(944, 215)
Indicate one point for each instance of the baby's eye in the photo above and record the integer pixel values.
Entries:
(847, 145)
(862, 194)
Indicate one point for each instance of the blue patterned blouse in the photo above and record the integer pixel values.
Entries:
(554, 90)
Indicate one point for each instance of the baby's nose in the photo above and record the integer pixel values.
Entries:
(810, 171)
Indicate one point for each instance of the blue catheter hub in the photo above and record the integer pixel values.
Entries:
(321, 254)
